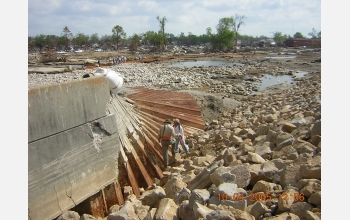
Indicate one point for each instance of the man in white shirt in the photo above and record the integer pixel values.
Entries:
(179, 137)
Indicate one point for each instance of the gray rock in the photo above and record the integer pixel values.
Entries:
(226, 189)
(126, 212)
(87, 217)
(284, 137)
(183, 195)
(315, 198)
(220, 214)
(222, 175)
(258, 209)
(200, 211)
(262, 186)
(289, 175)
(186, 211)
(300, 209)
(242, 174)
(200, 196)
(255, 158)
(173, 186)
(316, 129)
(238, 214)
(167, 210)
(264, 149)
(239, 204)
(69, 215)
(152, 197)
(262, 130)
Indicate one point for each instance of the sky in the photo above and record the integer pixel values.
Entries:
(263, 17)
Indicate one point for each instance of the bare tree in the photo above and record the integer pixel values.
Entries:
(237, 23)
(162, 29)
(68, 35)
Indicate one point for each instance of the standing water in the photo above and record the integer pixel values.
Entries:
(205, 63)
(271, 80)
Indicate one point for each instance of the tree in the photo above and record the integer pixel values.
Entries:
(162, 22)
(68, 35)
(279, 38)
(81, 39)
(237, 23)
(314, 34)
(298, 35)
(134, 41)
(118, 34)
(224, 37)
(39, 41)
(94, 38)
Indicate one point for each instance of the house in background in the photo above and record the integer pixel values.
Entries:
(301, 42)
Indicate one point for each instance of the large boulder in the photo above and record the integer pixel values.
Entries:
(69, 215)
(173, 186)
(222, 175)
(200, 196)
(127, 211)
(167, 210)
(152, 197)
(186, 211)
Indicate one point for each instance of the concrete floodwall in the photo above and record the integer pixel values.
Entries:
(73, 146)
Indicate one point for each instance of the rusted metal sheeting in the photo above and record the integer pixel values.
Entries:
(167, 104)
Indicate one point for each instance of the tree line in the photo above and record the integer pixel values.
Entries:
(226, 37)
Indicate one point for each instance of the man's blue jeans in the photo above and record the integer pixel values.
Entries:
(175, 146)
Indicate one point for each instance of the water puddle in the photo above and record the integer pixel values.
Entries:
(205, 63)
(281, 57)
(271, 80)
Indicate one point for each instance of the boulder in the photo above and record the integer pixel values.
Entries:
(183, 195)
(255, 158)
(152, 197)
(264, 149)
(262, 130)
(242, 175)
(283, 216)
(200, 196)
(288, 127)
(238, 214)
(289, 175)
(315, 198)
(200, 211)
(87, 217)
(222, 175)
(126, 211)
(167, 210)
(239, 204)
(261, 186)
(186, 211)
(228, 189)
(257, 209)
(69, 215)
(286, 199)
(300, 209)
(220, 214)
(310, 188)
(316, 129)
(173, 186)
(284, 138)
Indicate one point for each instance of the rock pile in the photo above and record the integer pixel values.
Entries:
(262, 160)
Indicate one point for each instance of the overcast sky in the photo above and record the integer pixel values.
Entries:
(263, 17)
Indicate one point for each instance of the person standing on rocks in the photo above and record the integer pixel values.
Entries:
(179, 137)
(166, 136)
